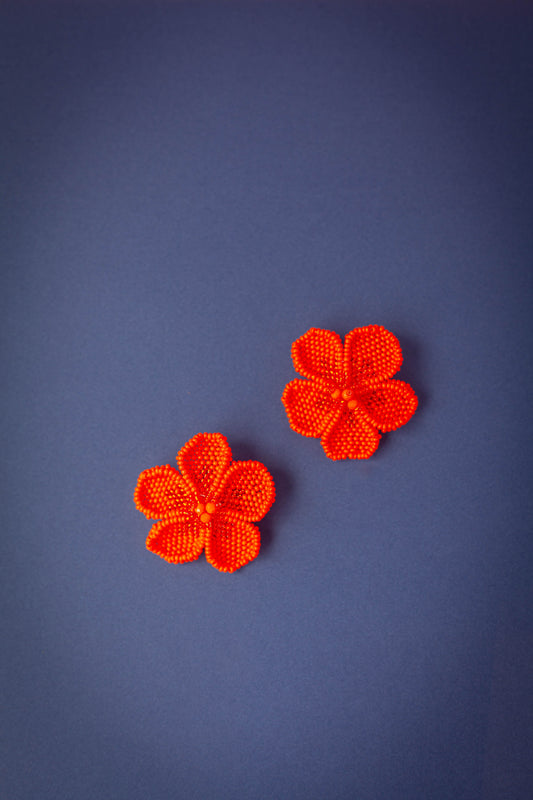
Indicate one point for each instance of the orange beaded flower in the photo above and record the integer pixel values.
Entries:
(210, 505)
(350, 395)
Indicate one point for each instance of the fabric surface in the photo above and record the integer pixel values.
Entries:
(187, 189)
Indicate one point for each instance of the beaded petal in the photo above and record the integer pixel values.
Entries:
(210, 505)
(349, 395)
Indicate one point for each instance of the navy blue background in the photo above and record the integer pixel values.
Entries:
(187, 189)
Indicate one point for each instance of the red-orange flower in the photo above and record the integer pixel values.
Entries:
(211, 505)
(349, 396)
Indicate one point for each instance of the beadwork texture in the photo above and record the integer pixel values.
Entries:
(349, 395)
(209, 504)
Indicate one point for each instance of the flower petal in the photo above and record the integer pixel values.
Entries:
(204, 460)
(308, 406)
(371, 355)
(390, 405)
(247, 491)
(318, 354)
(161, 490)
(350, 435)
(232, 543)
(177, 540)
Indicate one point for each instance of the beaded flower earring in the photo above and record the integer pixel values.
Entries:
(349, 395)
(209, 505)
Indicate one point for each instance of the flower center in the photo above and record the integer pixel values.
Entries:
(348, 395)
(204, 511)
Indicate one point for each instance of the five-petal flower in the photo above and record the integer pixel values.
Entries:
(349, 396)
(209, 504)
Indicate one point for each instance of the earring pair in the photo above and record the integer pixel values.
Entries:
(345, 397)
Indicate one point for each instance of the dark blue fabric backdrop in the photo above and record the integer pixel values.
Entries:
(186, 190)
